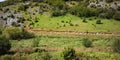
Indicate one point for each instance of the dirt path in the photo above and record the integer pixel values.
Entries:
(75, 32)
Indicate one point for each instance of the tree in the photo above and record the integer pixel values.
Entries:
(69, 54)
(98, 22)
(117, 16)
(109, 1)
(4, 45)
(83, 11)
(17, 33)
(87, 43)
(58, 12)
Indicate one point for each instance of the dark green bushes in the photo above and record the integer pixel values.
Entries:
(87, 43)
(99, 22)
(58, 12)
(1, 29)
(117, 16)
(4, 45)
(17, 33)
(83, 11)
(109, 1)
(35, 43)
(69, 54)
(46, 56)
(23, 7)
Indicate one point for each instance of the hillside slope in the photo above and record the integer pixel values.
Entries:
(92, 15)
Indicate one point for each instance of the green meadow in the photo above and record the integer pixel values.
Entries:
(73, 23)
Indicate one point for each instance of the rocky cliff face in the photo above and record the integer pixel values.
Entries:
(104, 4)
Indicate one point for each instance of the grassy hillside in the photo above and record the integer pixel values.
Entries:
(72, 23)
(62, 15)
(60, 30)
(54, 46)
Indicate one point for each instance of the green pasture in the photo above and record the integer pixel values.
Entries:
(72, 23)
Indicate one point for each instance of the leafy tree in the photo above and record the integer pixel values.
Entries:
(87, 43)
(13, 33)
(46, 56)
(4, 45)
(1, 29)
(69, 54)
(17, 33)
(106, 13)
(117, 16)
(83, 11)
(109, 1)
(35, 43)
(58, 12)
(23, 7)
(98, 22)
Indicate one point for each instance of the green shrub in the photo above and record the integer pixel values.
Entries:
(4, 45)
(23, 7)
(117, 16)
(58, 12)
(39, 50)
(83, 11)
(98, 22)
(35, 43)
(87, 43)
(118, 8)
(1, 29)
(102, 15)
(17, 33)
(84, 20)
(116, 45)
(13, 33)
(15, 24)
(69, 54)
(46, 56)
(26, 35)
(109, 1)
(6, 57)
(106, 13)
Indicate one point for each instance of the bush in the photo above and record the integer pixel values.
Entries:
(87, 43)
(58, 12)
(109, 1)
(13, 33)
(117, 16)
(98, 22)
(102, 15)
(1, 29)
(116, 45)
(118, 8)
(23, 7)
(83, 11)
(17, 33)
(35, 43)
(84, 20)
(6, 57)
(15, 24)
(4, 45)
(26, 35)
(69, 54)
(46, 56)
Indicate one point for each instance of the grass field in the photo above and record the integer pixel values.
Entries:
(62, 41)
(99, 51)
(73, 23)
(53, 34)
